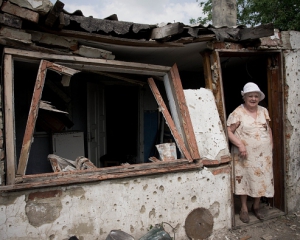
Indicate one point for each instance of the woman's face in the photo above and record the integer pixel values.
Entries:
(251, 99)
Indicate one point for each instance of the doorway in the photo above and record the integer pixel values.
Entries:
(122, 123)
(264, 69)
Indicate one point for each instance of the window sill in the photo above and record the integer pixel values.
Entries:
(100, 174)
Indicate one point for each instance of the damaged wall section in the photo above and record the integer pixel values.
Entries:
(91, 211)
(292, 121)
(210, 137)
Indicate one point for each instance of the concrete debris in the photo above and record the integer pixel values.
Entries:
(118, 235)
(42, 7)
(267, 237)
(297, 214)
(60, 164)
(293, 227)
(246, 238)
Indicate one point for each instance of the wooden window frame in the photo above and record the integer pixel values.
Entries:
(190, 161)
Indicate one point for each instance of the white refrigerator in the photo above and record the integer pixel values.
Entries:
(69, 145)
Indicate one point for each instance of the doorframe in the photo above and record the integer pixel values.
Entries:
(140, 141)
(274, 67)
(99, 101)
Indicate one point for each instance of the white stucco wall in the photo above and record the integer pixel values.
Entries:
(91, 211)
(292, 136)
(210, 137)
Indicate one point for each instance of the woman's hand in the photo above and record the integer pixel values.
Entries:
(235, 140)
(243, 151)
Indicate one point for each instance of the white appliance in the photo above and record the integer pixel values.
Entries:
(69, 145)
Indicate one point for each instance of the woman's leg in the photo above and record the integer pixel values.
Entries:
(255, 209)
(244, 203)
(244, 210)
(256, 203)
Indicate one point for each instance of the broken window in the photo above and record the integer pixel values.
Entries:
(100, 114)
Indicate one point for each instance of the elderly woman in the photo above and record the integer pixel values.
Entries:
(251, 136)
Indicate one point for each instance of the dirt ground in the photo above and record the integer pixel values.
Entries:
(284, 228)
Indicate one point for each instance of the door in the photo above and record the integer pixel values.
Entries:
(275, 95)
(96, 122)
(264, 70)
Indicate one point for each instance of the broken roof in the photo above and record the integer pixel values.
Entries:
(49, 28)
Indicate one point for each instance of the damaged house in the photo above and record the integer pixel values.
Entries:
(111, 125)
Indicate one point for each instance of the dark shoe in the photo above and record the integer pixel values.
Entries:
(244, 217)
(257, 213)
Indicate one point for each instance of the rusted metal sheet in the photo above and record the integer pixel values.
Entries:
(184, 114)
(34, 107)
(199, 224)
(169, 119)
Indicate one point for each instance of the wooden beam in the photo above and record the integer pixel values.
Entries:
(169, 120)
(47, 106)
(91, 52)
(167, 31)
(19, 44)
(214, 163)
(9, 120)
(138, 68)
(121, 78)
(107, 68)
(54, 13)
(269, 79)
(111, 40)
(218, 89)
(207, 70)
(15, 34)
(173, 106)
(20, 12)
(276, 112)
(101, 174)
(31, 121)
(33, 111)
(225, 45)
(184, 114)
(200, 38)
(60, 69)
(10, 20)
(54, 40)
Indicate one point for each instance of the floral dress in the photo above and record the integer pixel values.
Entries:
(253, 175)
